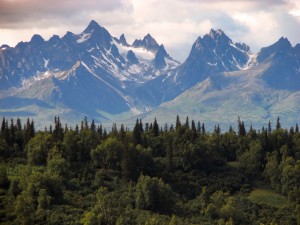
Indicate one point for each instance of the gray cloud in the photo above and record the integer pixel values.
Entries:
(174, 23)
(20, 13)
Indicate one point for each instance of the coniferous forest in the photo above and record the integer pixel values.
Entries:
(151, 174)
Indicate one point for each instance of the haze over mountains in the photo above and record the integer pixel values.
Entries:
(103, 77)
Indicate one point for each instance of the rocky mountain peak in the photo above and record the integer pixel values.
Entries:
(148, 43)
(93, 25)
(37, 39)
(123, 40)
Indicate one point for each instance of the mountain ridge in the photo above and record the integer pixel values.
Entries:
(97, 75)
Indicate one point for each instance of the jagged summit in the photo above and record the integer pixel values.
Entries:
(160, 56)
(148, 43)
(131, 58)
(216, 33)
(95, 35)
(282, 46)
(123, 40)
(218, 52)
(95, 74)
(92, 26)
(283, 43)
(219, 35)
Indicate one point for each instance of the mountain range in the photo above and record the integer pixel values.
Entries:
(103, 77)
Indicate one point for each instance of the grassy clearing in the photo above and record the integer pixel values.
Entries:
(268, 197)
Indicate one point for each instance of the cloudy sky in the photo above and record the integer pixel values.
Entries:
(174, 23)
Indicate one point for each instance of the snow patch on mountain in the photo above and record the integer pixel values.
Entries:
(84, 37)
(141, 53)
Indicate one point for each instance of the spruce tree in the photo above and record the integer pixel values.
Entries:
(141, 126)
(278, 126)
(137, 137)
(269, 127)
(19, 124)
(193, 126)
(155, 128)
(3, 125)
(146, 127)
(199, 127)
(93, 126)
(241, 128)
(203, 128)
(178, 123)
(187, 122)
(100, 130)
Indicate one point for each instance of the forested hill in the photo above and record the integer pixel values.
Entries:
(179, 174)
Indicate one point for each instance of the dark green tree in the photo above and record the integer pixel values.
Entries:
(154, 195)
(278, 125)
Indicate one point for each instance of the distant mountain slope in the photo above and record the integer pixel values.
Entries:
(213, 53)
(100, 76)
(90, 72)
(265, 87)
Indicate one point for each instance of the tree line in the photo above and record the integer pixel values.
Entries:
(177, 174)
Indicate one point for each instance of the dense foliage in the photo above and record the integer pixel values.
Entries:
(180, 174)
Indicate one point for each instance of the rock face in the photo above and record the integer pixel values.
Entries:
(100, 76)
(89, 73)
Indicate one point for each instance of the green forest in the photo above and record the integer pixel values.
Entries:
(150, 174)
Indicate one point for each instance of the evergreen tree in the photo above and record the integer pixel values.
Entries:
(66, 128)
(19, 124)
(32, 129)
(93, 126)
(171, 128)
(187, 122)
(166, 128)
(155, 128)
(269, 127)
(146, 127)
(199, 127)
(85, 123)
(11, 133)
(122, 135)
(3, 125)
(58, 132)
(169, 150)
(141, 126)
(193, 127)
(76, 129)
(137, 135)
(203, 128)
(100, 130)
(178, 123)
(104, 133)
(241, 128)
(114, 129)
(278, 126)
(130, 171)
